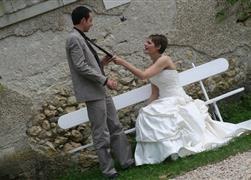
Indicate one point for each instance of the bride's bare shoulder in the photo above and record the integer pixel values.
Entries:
(166, 58)
(168, 61)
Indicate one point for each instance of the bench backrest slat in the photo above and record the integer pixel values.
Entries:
(203, 71)
(140, 94)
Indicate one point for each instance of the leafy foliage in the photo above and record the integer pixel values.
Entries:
(1, 88)
(240, 8)
(236, 112)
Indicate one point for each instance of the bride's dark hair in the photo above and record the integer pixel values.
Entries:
(159, 40)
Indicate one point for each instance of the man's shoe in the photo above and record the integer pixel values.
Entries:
(132, 164)
(113, 176)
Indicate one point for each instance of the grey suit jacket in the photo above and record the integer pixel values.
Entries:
(87, 78)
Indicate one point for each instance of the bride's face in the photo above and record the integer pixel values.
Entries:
(149, 47)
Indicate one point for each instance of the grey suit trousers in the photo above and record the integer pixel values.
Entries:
(107, 133)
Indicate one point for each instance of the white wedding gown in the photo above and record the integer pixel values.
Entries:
(175, 124)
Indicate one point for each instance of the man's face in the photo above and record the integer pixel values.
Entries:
(87, 23)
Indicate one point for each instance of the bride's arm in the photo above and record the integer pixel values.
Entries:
(154, 94)
(154, 69)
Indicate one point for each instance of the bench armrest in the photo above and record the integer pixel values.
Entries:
(210, 101)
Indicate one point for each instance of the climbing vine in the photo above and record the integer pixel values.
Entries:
(1, 88)
(240, 8)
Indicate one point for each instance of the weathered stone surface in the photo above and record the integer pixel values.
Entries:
(34, 130)
(192, 31)
(15, 112)
(16, 155)
(21, 156)
(38, 68)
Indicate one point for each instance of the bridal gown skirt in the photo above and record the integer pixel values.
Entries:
(180, 126)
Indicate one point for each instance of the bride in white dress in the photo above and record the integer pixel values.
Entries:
(173, 123)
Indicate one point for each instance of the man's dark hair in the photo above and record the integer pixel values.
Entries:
(79, 13)
(160, 41)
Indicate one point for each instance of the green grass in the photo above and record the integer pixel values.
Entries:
(232, 111)
(236, 112)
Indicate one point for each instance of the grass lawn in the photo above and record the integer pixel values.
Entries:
(231, 111)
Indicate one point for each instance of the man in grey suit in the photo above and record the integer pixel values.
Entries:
(90, 82)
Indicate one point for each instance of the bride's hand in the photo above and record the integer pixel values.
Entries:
(119, 61)
(106, 60)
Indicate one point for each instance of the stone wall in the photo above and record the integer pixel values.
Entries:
(33, 58)
(34, 66)
(13, 11)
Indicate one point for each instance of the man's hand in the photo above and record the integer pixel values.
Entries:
(111, 84)
(106, 60)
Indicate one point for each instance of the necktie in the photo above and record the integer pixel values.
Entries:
(91, 49)
(100, 48)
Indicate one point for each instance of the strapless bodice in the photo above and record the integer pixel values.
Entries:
(168, 83)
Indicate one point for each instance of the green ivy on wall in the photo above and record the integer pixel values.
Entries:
(1, 88)
(240, 8)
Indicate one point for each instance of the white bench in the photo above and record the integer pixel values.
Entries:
(195, 74)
